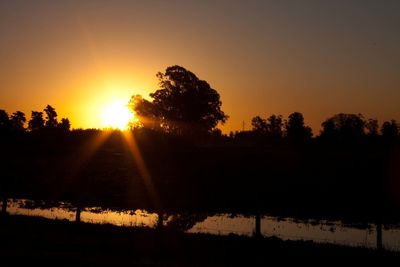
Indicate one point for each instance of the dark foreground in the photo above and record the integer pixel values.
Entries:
(28, 240)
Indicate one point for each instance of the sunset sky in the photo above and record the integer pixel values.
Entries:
(318, 57)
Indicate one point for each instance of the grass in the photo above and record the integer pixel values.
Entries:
(33, 240)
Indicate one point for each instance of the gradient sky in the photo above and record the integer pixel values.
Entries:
(318, 57)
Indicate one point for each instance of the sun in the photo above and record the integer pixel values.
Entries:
(117, 115)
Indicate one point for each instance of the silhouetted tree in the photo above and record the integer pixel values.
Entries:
(184, 103)
(36, 122)
(5, 123)
(275, 124)
(271, 127)
(372, 127)
(390, 129)
(343, 126)
(64, 125)
(259, 125)
(51, 117)
(18, 120)
(295, 128)
(145, 111)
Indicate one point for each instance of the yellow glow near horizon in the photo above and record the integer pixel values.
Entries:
(116, 115)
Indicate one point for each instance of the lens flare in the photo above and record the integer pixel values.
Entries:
(117, 115)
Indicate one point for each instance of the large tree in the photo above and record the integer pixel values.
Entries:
(51, 117)
(183, 104)
(296, 129)
(5, 123)
(18, 120)
(344, 126)
(271, 127)
(36, 123)
(259, 125)
(145, 111)
(275, 124)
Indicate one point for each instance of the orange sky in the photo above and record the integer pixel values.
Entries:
(263, 57)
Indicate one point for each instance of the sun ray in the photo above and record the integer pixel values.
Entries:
(88, 151)
(143, 170)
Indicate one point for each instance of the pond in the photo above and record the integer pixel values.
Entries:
(321, 231)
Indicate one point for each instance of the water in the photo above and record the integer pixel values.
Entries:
(224, 224)
(290, 229)
(138, 218)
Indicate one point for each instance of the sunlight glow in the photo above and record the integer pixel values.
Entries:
(142, 167)
(117, 115)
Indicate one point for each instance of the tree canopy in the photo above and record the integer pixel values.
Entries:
(36, 122)
(5, 123)
(271, 127)
(183, 104)
(344, 126)
(390, 129)
(51, 117)
(18, 120)
(295, 128)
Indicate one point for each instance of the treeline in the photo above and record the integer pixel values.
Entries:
(39, 121)
(341, 126)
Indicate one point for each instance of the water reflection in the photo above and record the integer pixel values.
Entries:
(138, 218)
(224, 224)
(25, 207)
(290, 229)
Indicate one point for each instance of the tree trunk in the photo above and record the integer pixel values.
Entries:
(4, 207)
(160, 221)
(78, 214)
(257, 232)
(379, 244)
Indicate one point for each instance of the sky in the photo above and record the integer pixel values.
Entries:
(318, 57)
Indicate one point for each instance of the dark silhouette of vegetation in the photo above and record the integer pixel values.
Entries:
(295, 128)
(217, 174)
(5, 123)
(146, 111)
(345, 126)
(36, 123)
(390, 129)
(176, 161)
(349, 171)
(271, 127)
(275, 125)
(51, 117)
(372, 127)
(259, 125)
(184, 104)
(64, 125)
(18, 120)
(30, 239)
